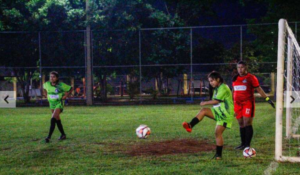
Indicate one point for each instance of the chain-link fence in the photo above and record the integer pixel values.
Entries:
(163, 65)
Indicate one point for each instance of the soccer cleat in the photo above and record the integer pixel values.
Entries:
(62, 137)
(241, 147)
(217, 157)
(47, 140)
(187, 126)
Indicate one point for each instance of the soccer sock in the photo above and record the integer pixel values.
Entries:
(60, 127)
(52, 127)
(248, 134)
(194, 121)
(219, 150)
(243, 135)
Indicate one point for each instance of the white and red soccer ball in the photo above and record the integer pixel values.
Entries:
(249, 152)
(143, 131)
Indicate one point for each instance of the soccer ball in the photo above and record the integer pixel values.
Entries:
(249, 152)
(143, 131)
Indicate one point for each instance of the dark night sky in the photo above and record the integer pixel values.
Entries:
(229, 12)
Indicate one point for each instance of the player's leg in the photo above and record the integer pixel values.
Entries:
(52, 127)
(203, 112)
(239, 116)
(248, 130)
(219, 141)
(248, 114)
(56, 115)
(242, 133)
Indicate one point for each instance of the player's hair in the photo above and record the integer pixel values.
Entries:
(242, 62)
(214, 75)
(56, 74)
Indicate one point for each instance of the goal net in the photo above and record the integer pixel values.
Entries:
(287, 143)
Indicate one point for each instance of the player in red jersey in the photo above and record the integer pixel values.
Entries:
(244, 85)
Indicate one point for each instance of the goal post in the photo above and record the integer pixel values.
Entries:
(288, 85)
(279, 89)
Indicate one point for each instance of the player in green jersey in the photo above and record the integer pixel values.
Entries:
(56, 93)
(222, 111)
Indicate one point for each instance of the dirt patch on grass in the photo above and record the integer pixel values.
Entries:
(176, 146)
(6, 149)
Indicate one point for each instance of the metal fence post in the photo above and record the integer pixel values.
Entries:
(89, 75)
(241, 42)
(191, 56)
(40, 57)
(140, 65)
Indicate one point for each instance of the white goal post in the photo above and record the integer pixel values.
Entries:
(288, 71)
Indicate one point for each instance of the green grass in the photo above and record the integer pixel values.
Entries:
(98, 138)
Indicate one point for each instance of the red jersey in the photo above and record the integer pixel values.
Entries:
(244, 88)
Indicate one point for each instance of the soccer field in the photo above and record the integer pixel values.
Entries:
(101, 140)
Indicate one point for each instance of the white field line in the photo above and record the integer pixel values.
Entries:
(271, 168)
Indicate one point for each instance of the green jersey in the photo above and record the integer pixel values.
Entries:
(55, 93)
(224, 111)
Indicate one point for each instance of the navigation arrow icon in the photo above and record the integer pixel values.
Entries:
(5, 99)
(293, 99)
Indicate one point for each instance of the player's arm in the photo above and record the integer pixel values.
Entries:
(216, 99)
(44, 93)
(67, 93)
(210, 102)
(263, 94)
(233, 80)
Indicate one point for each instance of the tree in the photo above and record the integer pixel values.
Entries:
(264, 47)
(189, 12)
(165, 47)
(22, 49)
(110, 46)
(114, 47)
